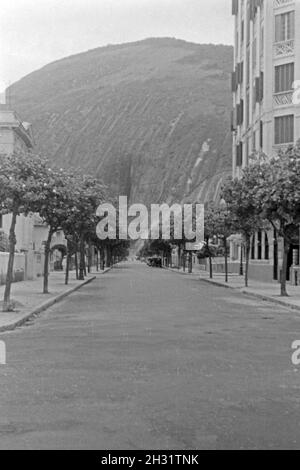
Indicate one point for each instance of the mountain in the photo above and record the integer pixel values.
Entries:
(150, 118)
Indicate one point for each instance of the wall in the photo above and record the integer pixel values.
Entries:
(260, 271)
(24, 231)
(19, 267)
(6, 141)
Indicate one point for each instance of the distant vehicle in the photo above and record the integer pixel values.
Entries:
(154, 262)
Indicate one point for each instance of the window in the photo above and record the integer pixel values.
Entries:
(234, 82)
(284, 77)
(261, 86)
(254, 142)
(240, 72)
(284, 129)
(239, 155)
(261, 134)
(285, 26)
(240, 113)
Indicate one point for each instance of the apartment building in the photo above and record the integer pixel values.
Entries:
(266, 116)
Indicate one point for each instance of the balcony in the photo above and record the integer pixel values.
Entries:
(283, 99)
(282, 3)
(284, 48)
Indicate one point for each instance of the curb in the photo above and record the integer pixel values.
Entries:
(265, 298)
(106, 270)
(183, 273)
(242, 290)
(100, 273)
(219, 284)
(41, 308)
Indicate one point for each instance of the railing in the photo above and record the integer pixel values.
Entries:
(281, 3)
(283, 99)
(284, 48)
(277, 148)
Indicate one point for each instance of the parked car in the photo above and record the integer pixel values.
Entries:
(155, 262)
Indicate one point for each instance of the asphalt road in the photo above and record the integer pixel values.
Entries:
(147, 359)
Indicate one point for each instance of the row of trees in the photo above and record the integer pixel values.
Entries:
(64, 200)
(267, 196)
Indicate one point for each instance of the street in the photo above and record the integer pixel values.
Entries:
(144, 358)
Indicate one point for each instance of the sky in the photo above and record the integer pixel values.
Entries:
(34, 33)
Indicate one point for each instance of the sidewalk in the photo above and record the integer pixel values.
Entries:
(29, 300)
(265, 291)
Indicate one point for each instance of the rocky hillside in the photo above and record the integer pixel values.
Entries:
(151, 118)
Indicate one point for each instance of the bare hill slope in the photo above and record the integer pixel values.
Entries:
(151, 118)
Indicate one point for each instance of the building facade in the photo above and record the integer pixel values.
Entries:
(31, 233)
(16, 137)
(266, 108)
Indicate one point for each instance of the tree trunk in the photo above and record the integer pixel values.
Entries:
(184, 261)
(46, 263)
(10, 268)
(179, 256)
(106, 260)
(226, 260)
(97, 260)
(190, 263)
(241, 262)
(102, 259)
(67, 264)
(247, 262)
(210, 266)
(286, 250)
(108, 257)
(82, 259)
(89, 257)
(210, 260)
(76, 263)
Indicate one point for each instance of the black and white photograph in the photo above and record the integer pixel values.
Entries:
(149, 228)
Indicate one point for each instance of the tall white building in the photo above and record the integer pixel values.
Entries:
(265, 116)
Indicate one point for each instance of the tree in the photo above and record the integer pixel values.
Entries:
(278, 198)
(223, 227)
(56, 204)
(81, 221)
(21, 180)
(241, 199)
